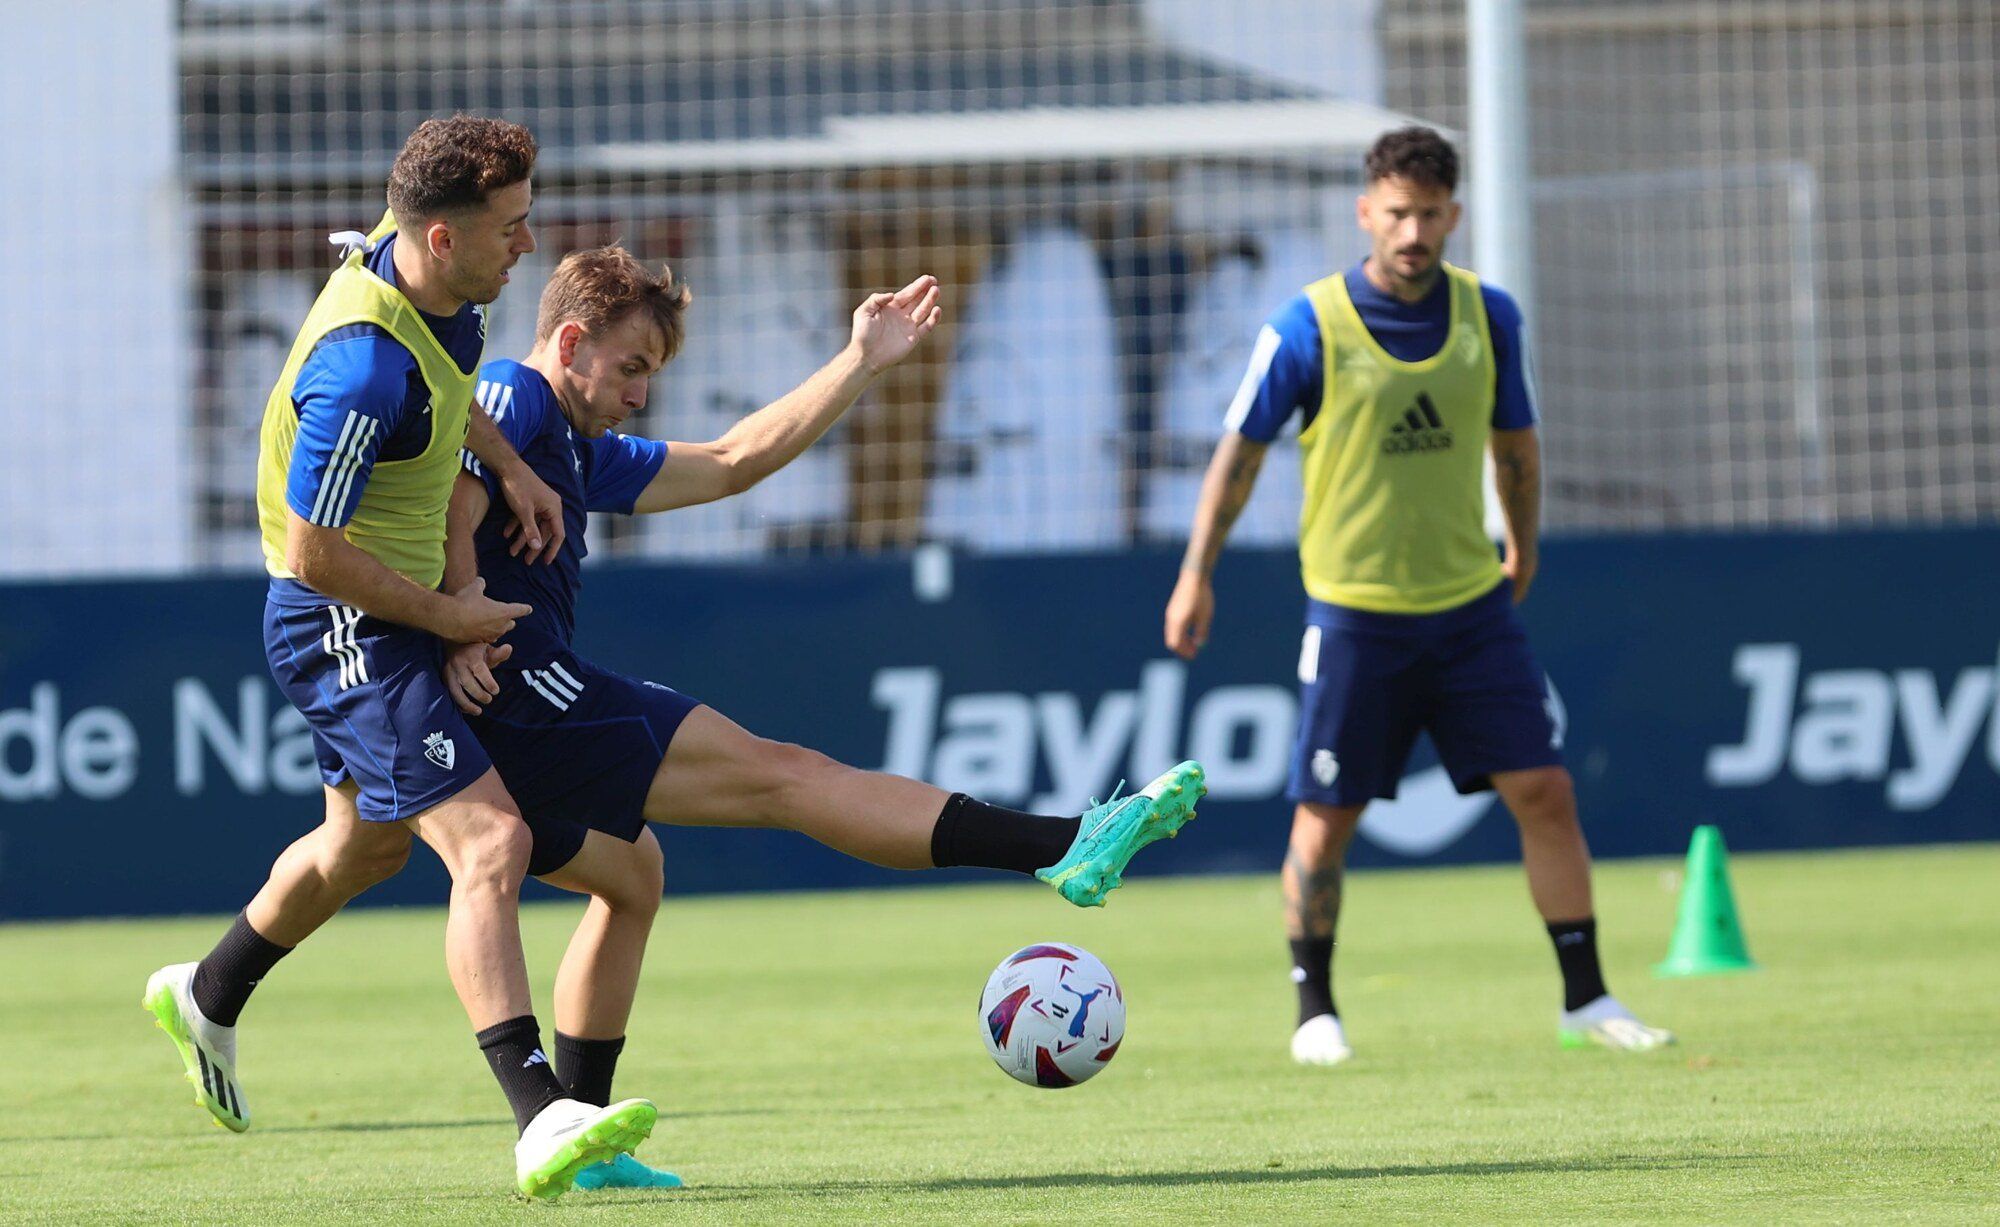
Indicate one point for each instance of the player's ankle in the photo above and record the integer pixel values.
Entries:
(971, 832)
(1312, 975)
(223, 981)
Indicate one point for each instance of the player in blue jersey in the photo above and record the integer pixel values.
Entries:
(593, 756)
(1404, 371)
(359, 451)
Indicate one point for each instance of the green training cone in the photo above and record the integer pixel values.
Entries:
(1708, 940)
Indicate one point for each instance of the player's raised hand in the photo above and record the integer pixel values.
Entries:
(474, 617)
(468, 674)
(1190, 610)
(888, 326)
(537, 526)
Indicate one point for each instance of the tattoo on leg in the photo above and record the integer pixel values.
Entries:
(1312, 897)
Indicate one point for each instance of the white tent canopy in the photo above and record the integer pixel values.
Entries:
(1292, 128)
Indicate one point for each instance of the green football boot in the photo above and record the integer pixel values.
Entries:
(567, 1137)
(626, 1172)
(207, 1050)
(1608, 1023)
(1109, 834)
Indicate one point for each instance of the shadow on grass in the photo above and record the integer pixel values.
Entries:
(261, 1130)
(399, 1126)
(1294, 1175)
(1248, 1177)
(488, 1122)
(389, 1126)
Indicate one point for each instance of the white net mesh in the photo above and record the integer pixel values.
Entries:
(1766, 250)
(1767, 253)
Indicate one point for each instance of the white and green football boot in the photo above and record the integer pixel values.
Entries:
(1608, 1023)
(208, 1050)
(569, 1136)
(1109, 834)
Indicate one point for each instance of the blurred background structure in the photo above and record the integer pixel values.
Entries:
(1766, 253)
(1758, 240)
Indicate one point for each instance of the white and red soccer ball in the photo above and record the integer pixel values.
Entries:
(1052, 1015)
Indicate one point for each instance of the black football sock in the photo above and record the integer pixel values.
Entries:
(971, 832)
(514, 1050)
(223, 981)
(1576, 953)
(586, 1067)
(1312, 972)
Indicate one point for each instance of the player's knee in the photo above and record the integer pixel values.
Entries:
(494, 848)
(1322, 831)
(638, 894)
(358, 863)
(1543, 797)
(792, 776)
(377, 865)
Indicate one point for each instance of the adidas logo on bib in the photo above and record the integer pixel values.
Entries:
(1421, 430)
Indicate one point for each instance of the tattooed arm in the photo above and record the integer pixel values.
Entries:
(1517, 474)
(1232, 475)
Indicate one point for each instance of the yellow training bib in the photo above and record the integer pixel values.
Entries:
(1394, 513)
(400, 518)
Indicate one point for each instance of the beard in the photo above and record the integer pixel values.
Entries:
(481, 290)
(1427, 266)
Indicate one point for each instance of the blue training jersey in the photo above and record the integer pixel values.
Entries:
(1287, 367)
(361, 400)
(604, 474)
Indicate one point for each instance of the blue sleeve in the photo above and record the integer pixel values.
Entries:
(349, 395)
(1514, 383)
(517, 411)
(1284, 375)
(620, 467)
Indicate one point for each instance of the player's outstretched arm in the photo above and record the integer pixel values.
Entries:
(887, 327)
(1517, 476)
(331, 565)
(1232, 475)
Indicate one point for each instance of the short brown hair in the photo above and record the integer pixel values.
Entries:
(456, 163)
(1415, 153)
(600, 286)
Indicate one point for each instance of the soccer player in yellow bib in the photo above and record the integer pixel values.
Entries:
(359, 450)
(1406, 370)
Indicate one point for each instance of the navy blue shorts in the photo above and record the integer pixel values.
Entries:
(578, 747)
(372, 693)
(1371, 682)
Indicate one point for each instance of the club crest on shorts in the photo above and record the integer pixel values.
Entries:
(438, 748)
(1325, 768)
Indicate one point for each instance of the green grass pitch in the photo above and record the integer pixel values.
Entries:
(816, 1060)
